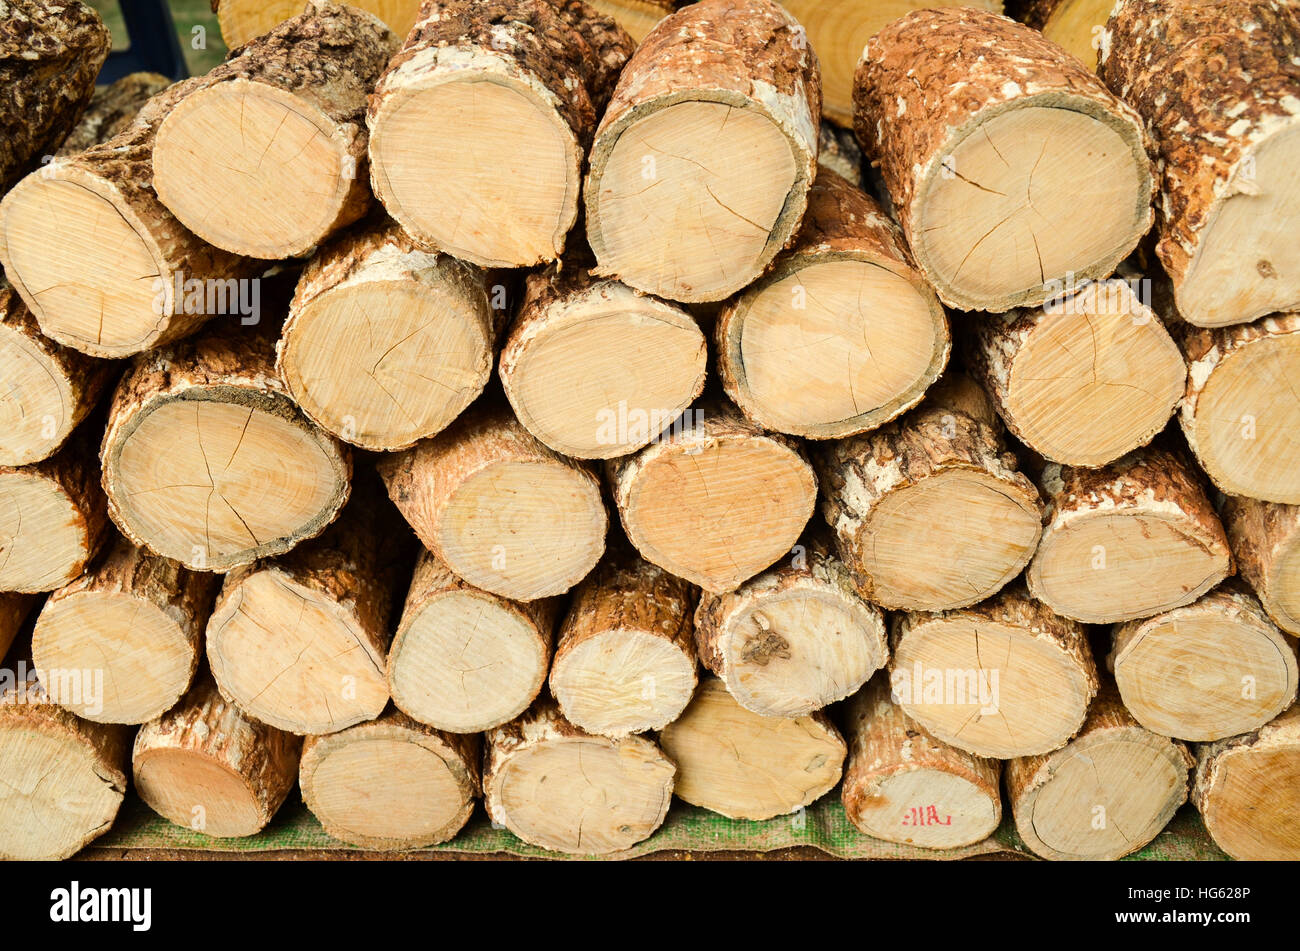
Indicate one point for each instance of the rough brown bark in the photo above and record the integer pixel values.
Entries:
(638, 17)
(1264, 536)
(838, 150)
(112, 110)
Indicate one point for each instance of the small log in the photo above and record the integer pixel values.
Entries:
(638, 17)
(112, 109)
(244, 20)
(1265, 539)
(1074, 25)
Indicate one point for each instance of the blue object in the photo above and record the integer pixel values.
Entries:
(154, 46)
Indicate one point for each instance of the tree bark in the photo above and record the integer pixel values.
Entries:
(1264, 538)
(638, 17)
(111, 111)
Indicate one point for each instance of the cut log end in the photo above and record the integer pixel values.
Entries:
(43, 536)
(1074, 26)
(619, 682)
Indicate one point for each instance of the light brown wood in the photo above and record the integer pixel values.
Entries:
(494, 102)
(930, 512)
(1248, 791)
(14, 609)
(500, 509)
(745, 766)
(560, 788)
(1004, 678)
(1264, 538)
(206, 766)
(701, 166)
(991, 147)
(1210, 669)
(715, 500)
(136, 620)
(243, 20)
(64, 777)
(1128, 540)
(391, 784)
(112, 109)
(1107, 793)
(903, 785)
(842, 333)
(463, 659)
(625, 656)
(1074, 25)
(638, 17)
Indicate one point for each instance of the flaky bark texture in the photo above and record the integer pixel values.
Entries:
(50, 54)
(638, 17)
(1262, 535)
(14, 608)
(838, 150)
(112, 109)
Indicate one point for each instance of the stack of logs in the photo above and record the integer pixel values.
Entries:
(411, 420)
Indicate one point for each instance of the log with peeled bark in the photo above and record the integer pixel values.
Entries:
(52, 518)
(136, 619)
(206, 766)
(638, 17)
(495, 102)
(558, 787)
(795, 638)
(208, 461)
(716, 499)
(842, 334)
(701, 166)
(903, 785)
(1247, 789)
(386, 344)
(1128, 540)
(595, 369)
(1004, 678)
(1240, 414)
(1216, 83)
(1265, 540)
(50, 54)
(463, 659)
(14, 609)
(625, 656)
(64, 777)
(1074, 25)
(990, 146)
(49, 388)
(391, 783)
(127, 276)
(112, 110)
(500, 509)
(929, 512)
(744, 766)
(1070, 408)
(1105, 794)
(1210, 669)
(244, 20)
(288, 111)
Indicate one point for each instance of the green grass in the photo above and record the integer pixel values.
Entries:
(202, 51)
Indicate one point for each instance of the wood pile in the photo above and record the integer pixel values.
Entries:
(555, 405)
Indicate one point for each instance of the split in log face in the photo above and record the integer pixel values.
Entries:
(243, 20)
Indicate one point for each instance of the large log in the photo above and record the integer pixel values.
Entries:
(1074, 25)
(244, 20)
(1215, 82)
(561, 788)
(495, 102)
(112, 109)
(989, 139)
(930, 512)
(719, 86)
(842, 333)
(1265, 537)
(1128, 540)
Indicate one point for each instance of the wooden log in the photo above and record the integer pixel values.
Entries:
(987, 151)
(1248, 791)
(463, 659)
(561, 788)
(795, 638)
(128, 276)
(392, 783)
(1264, 537)
(49, 388)
(1070, 408)
(745, 766)
(929, 512)
(1128, 540)
(1239, 415)
(1107, 793)
(595, 369)
(1210, 669)
(842, 333)
(495, 102)
(207, 460)
(14, 609)
(386, 344)
(496, 506)
(52, 518)
(625, 656)
(1215, 83)
(137, 620)
(903, 785)
(50, 54)
(206, 766)
(1074, 25)
(112, 109)
(64, 777)
(244, 20)
(718, 86)
(638, 17)
(289, 111)
(838, 150)
(715, 500)
(1004, 678)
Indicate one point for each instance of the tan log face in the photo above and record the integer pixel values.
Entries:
(1253, 811)
(38, 405)
(182, 785)
(43, 543)
(623, 681)
(1075, 25)
(928, 808)
(242, 20)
